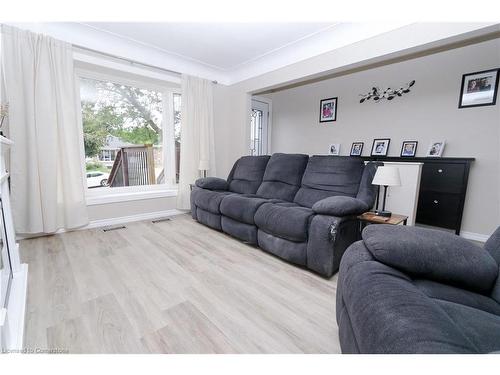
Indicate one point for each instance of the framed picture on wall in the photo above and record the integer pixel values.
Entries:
(479, 89)
(328, 110)
(334, 149)
(380, 147)
(436, 149)
(357, 148)
(409, 149)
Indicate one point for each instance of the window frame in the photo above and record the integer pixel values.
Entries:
(127, 193)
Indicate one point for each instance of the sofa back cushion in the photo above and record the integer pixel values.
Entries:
(246, 175)
(327, 176)
(283, 176)
(368, 192)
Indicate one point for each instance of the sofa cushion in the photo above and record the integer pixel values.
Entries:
(211, 183)
(340, 206)
(433, 254)
(294, 252)
(481, 328)
(457, 295)
(210, 200)
(327, 176)
(246, 175)
(241, 207)
(284, 220)
(283, 176)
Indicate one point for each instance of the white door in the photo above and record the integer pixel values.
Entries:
(259, 128)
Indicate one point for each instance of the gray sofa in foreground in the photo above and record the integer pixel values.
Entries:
(302, 209)
(415, 290)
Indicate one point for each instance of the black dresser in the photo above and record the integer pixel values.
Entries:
(443, 186)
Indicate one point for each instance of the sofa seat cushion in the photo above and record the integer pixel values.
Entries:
(482, 329)
(210, 200)
(241, 207)
(449, 293)
(284, 220)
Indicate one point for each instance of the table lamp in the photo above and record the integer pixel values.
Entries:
(203, 167)
(386, 176)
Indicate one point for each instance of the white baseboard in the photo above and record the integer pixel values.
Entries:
(474, 236)
(112, 221)
(131, 218)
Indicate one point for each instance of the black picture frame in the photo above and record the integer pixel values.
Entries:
(360, 151)
(414, 149)
(385, 140)
(495, 89)
(334, 117)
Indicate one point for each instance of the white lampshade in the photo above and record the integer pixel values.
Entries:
(387, 176)
(204, 165)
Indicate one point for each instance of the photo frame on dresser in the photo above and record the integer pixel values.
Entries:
(380, 147)
(409, 149)
(357, 149)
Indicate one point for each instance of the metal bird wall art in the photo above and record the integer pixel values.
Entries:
(377, 94)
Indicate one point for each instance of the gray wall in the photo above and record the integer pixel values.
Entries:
(429, 112)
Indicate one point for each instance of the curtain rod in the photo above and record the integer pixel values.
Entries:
(132, 62)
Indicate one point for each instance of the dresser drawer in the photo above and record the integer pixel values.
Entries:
(439, 209)
(443, 177)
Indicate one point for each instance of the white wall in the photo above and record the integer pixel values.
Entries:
(429, 112)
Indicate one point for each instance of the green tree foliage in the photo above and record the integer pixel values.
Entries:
(129, 113)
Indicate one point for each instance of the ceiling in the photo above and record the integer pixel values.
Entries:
(234, 52)
(223, 46)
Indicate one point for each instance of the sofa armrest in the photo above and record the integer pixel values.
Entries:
(340, 206)
(432, 255)
(212, 183)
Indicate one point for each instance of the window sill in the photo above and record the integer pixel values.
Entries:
(116, 197)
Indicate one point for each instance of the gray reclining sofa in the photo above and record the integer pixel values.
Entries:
(300, 208)
(416, 290)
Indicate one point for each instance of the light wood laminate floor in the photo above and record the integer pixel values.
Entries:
(172, 287)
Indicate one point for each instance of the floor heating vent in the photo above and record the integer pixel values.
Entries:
(160, 220)
(109, 229)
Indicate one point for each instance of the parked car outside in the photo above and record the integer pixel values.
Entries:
(97, 179)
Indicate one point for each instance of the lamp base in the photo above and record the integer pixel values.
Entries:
(383, 213)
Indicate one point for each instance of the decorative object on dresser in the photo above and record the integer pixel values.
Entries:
(479, 89)
(409, 149)
(443, 188)
(386, 176)
(377, 94)
(4, 113)
(13, 274)
(334, 149)
(357, 148)
(436, 149)
(328, 110)
(380, 147)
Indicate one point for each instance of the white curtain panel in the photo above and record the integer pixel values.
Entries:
(47, 178)
(197, 135)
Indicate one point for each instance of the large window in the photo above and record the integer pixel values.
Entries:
(131, 133)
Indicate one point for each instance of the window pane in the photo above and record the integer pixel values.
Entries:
(122, 127)
(177, 133)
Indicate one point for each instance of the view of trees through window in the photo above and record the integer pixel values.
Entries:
(122, 131)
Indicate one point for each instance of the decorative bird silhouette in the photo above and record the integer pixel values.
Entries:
(388, 93)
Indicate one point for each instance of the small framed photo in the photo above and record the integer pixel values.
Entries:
(409, 149)
(357, 148)
(436, 149)
(380, 147)
(328, 110)
(479, 89)
(334, 149)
